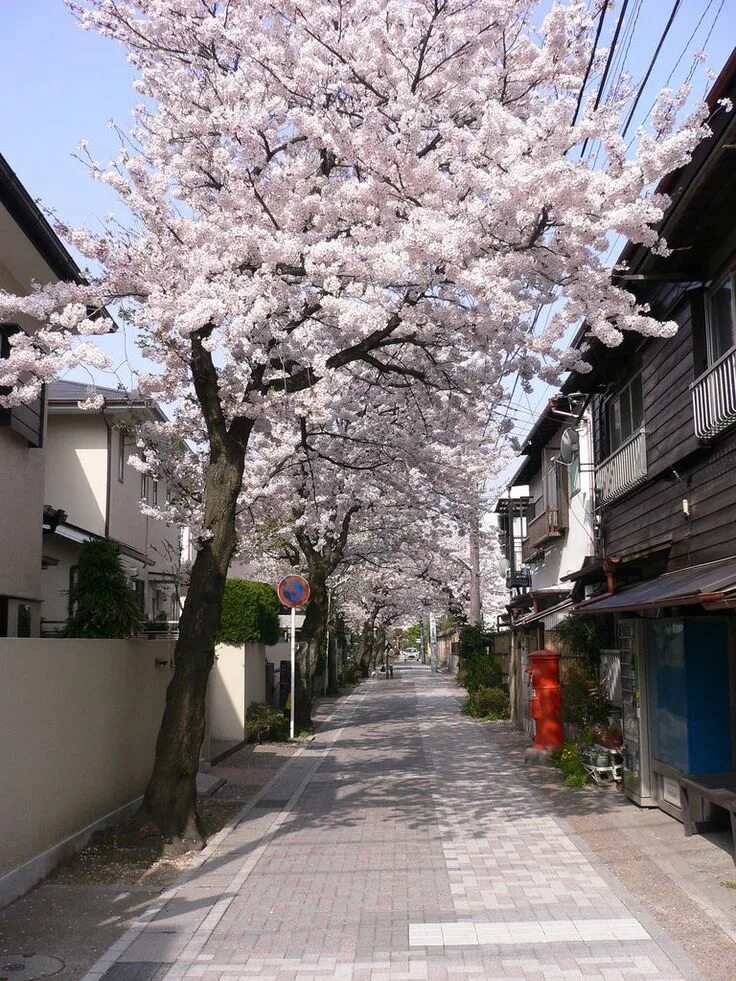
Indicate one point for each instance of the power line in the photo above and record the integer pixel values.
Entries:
(607, 68)
(662, 39)
(684, 51)
(593, 51)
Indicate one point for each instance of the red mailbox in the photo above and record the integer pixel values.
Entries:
(545, 705)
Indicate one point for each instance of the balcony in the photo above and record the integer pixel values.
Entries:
(623, 470)
(548, 525)
(714, 397)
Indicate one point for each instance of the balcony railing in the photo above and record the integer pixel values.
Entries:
(548, 525)
(623, 470)
(714, 398)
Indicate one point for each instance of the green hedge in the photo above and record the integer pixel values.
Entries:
(265, 724)
(250, 613)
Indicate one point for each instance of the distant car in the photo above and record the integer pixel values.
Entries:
(411, 656)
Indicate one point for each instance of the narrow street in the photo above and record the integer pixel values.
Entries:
(399, 844)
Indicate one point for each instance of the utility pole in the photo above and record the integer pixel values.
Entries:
(474, 536)
(327, 645)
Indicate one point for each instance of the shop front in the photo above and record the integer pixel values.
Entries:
(678, 681)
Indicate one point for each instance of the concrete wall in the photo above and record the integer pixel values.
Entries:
(78, 734)
(237, 679)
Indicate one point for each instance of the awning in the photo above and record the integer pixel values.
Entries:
(549, 618)
(710, 583)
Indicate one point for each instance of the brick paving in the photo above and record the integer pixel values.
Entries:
(400, 844)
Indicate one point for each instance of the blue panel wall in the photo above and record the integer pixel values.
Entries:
(708, 696)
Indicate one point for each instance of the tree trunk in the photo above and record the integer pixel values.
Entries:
(365, 647)
(170, 798)
(333, 661)
(314, 632)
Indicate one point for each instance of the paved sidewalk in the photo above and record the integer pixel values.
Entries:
(400, 844)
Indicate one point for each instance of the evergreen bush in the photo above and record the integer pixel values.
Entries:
(489, 703)
(264, 723)
(479, 670)
(250, 613)
(102, 603)
(584, 700)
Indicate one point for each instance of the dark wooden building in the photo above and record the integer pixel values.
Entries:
(664, 434)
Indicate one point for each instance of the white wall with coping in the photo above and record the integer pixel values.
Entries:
(238, 678)
(80, 720)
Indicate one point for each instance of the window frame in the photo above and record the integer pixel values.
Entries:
(710, 324)
(144, 487)
(154, 492)
(615, 398)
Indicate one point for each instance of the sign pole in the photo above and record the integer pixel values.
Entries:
(293, 591)
(293, 672)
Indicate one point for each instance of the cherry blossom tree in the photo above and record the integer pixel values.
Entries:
(364, 488)
(371, 191)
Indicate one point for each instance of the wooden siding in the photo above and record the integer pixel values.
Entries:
(678, 465)
(653, 515)
(667, 372)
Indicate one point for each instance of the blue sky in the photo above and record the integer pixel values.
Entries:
(63, 84)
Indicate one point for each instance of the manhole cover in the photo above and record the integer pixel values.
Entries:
(25, 967)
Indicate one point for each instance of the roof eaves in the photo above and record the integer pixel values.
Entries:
(30, 219)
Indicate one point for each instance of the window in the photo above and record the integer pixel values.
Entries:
(155, 493)
(720, 318)
(144, 486)
(23, 625)
(121, 457)
(625, 413)
(139, 587)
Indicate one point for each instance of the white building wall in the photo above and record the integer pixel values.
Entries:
(21, 466)
(76, 468)
(21, 517)
(566, 555)
(55, 580)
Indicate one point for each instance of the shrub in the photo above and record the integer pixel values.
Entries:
(250, 613)
(479, 671)
(350, 674)
(583, 698)
(103, 604)
(474, 640)
(567, 759)
(489, 703)
(262, 722)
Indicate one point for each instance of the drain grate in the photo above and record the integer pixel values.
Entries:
(26, 967)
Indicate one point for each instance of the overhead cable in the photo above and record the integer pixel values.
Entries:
(593, 51)
(609, 59)
(662, 39)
